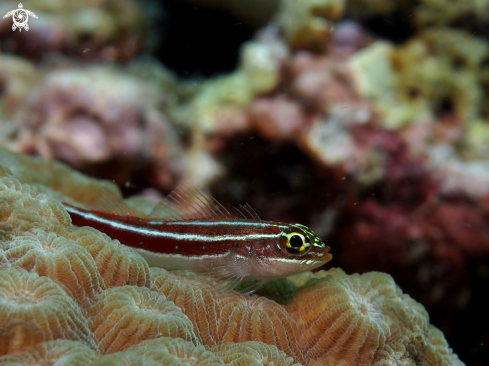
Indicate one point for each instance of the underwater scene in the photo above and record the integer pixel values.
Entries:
(244, 182)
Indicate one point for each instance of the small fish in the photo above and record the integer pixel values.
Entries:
(189, 230)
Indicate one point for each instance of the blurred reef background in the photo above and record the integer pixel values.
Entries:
(367, 120)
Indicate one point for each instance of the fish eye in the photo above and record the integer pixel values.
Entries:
(295, 243)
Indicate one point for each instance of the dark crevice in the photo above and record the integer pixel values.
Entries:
(201, 41)
(396, 27)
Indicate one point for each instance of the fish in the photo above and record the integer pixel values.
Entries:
(190, 230)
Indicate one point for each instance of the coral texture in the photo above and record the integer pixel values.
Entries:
(106, 30)
(358, 319)
(34, 309)
(59, 353)
(135, 314)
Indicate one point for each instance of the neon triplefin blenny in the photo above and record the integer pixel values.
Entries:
(189, 230)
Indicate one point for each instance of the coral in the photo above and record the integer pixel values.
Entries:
(436, 351)
(124, 359)
(308, 23)
(190, 297)
(227, 317)
(409, 90)
(361, 319)
(171, 351)
(102, 29)
(429, 12)
(356, 318)
(244, 319)
(118, 265)
(135, 314)
(250, 353)
(218, 107)
(17, 76)
(55, 179)
(424, 13)
(347, 38)
(58, 353)
(277, 118)
(34, 309)
(101, 116)
(52, 246)
(64, 261)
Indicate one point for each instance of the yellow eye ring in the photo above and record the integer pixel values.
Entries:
(295, 243)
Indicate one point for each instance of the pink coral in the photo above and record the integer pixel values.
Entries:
(100, 116)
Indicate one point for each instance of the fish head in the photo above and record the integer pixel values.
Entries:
(298, 249)
(299, 242)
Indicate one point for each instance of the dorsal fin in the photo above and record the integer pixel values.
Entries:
(108, 201)
(247, 212)
(252, 214)
(188, 203)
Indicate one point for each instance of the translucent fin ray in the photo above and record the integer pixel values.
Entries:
(247, 212)
(108, 201)
(188, 203)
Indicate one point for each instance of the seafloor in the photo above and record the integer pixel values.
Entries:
(366, 120)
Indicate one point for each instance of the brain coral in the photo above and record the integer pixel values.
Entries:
(34, 309)
(357, 318)
(64, 261)
(228, 317)
(71, 295)
(135, 314)
(174, 351)
(59, 352)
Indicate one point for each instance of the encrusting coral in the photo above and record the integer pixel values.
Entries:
(126, 317)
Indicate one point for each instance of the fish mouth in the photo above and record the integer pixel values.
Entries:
(309, 264)
(318, 261)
